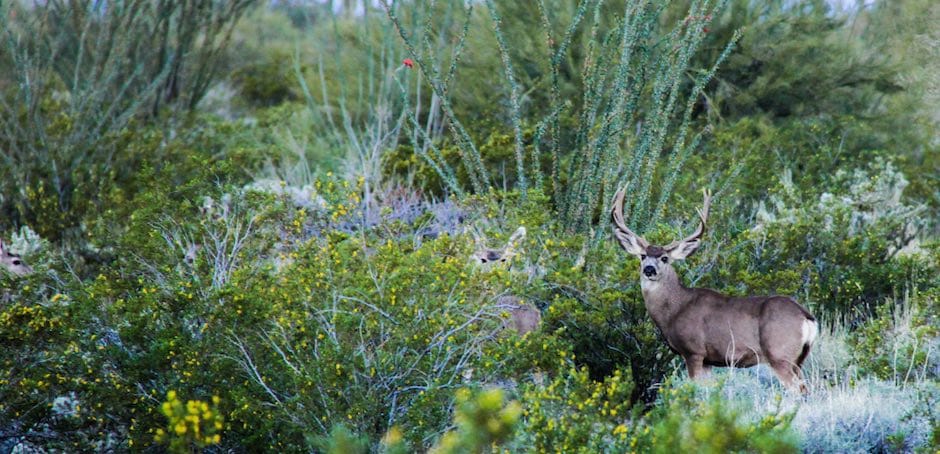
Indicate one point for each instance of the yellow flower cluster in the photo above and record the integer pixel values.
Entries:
(483, 421)
(195, 423)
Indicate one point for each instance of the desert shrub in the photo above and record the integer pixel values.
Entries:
(573, 413)
(842, 253)
(602, 314)
(103, 346)
(812, 87)
(760, 152)
(869, 416)
(690, 419)
(589, 293)
(193, 425)
(80, 75)
(301, 318)
(900, 342)
(268, 82)
(197, 155)
(796, 59)
(495, 153)
(616, 94)
(341, 440)
(847, 408)
(484, 421)
(313, 321)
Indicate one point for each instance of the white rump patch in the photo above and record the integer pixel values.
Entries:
(810, 331)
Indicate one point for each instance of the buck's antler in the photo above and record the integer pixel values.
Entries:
(631, 242)
(690, 243)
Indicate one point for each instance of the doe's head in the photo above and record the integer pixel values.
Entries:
(486, 257)
(656, 261)
(13, 263)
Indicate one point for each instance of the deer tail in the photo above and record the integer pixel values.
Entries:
(810, 329)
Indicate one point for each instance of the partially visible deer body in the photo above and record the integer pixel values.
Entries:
(13, 263)
(708, 328)
(523, 317)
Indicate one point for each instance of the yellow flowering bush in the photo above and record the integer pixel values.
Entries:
(316, 329)
(483, 421)
(685, 420)
(574, 413)
(194, 424)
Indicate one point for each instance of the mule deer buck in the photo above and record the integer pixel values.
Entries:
(13, 263)
(708, 328)
(523, 317)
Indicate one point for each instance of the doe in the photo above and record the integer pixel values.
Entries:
(523, 317)
(13, 263)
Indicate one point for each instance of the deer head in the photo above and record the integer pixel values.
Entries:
(656, 261)
(12, 262)
(486, 257)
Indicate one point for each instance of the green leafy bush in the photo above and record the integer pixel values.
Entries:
(193, 425)
(685, 420)
(573, 413)
(900, 341)
(842, 253)
(483, 421)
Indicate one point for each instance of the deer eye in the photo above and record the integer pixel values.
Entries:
(665, 259)
(17, 262)
(482, 260)
(502, 260)
(642, 257)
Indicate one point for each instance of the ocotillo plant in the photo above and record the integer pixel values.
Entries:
(633, 116)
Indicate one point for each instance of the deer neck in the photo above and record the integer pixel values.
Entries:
(664, 297)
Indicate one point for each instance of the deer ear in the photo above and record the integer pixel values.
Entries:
(683, 249)
(629, 243)
(477, 240)
(517, 236)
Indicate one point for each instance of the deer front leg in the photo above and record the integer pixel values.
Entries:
(696, 366)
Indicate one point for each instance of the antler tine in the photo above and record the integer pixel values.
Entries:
(706, 204)
(703, 218)
(616, 215)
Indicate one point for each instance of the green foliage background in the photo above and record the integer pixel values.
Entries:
(261, 238)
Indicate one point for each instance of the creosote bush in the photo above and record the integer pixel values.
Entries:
(684, 420)
(193, 425)
(483, 421)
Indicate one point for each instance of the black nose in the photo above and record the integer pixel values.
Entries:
(649, 271)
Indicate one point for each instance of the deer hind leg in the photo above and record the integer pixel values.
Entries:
(696, 366)
(789, 374)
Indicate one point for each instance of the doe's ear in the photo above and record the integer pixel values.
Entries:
(478, 241)
(517, 237)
